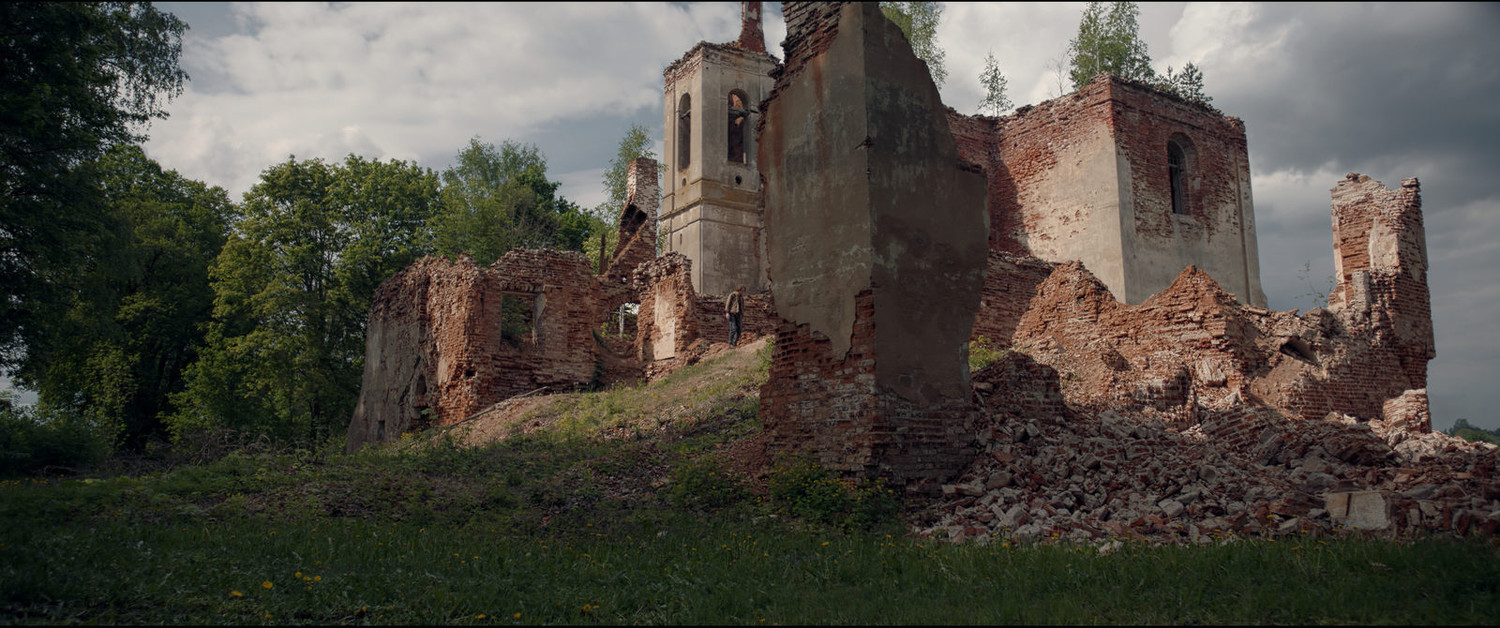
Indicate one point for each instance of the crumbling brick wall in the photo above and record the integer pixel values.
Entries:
(1010, 283)
(636, 243)
(1086, 177)
(673, 318)
(1380, 261)
(666, 322)
(1193, 346)
(445, 340)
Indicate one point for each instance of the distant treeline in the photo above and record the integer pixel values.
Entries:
(1462, 429)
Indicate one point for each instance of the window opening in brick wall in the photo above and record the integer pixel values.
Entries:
(625, 320)
(1299, 349)
(684, 131)
(518, 315)
(1179, 169)
(739, 117)
(630, 221)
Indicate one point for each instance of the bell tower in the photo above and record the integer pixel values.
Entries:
(710, 205)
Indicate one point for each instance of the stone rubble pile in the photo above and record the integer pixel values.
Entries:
(1050, 470)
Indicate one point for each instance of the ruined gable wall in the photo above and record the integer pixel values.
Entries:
(562, 352)
(1217, 233)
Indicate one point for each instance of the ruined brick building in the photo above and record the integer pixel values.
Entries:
(1106, 237)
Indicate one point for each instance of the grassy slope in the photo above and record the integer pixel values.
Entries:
(566, 520)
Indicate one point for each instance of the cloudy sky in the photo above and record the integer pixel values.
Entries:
(1387, 90)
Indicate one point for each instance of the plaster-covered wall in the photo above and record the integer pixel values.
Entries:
(710, 207)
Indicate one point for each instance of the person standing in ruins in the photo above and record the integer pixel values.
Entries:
(734, 306)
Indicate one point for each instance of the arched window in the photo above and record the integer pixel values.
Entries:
(1179, 169)
(739, 120)
(684, 131)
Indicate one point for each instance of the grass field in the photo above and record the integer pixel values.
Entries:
(569, 527)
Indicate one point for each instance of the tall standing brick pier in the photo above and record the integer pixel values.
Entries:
(876, 235)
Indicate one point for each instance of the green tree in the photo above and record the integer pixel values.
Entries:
(919, 21)
(635, 144)
(1462, 429)
(136, 317)
(292, 290)
(74, 78)
(1109, 41)
(498, 198)
(995, 101)
(1187, 84)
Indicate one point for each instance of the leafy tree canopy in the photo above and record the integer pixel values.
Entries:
(74, 78)
(137, 314)
(919, 21)
(1187, 84)
(292, 289)
(495, 199)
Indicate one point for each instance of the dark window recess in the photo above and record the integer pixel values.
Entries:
(518, 318)
(630, 222)
(1177, 171)
(739, 118)
(1299, 349)
(684, 131)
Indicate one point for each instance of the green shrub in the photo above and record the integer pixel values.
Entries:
(808, 490)
(704, 484)
(32, 444)
(763, 357)
(982, 353)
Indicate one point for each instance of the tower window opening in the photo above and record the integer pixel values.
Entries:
(684, 131)
(739, 118)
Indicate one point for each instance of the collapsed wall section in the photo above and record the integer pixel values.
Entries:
(875, 234)
(445, 340)
(675, 324)
(1380, 261)
(1193, 346)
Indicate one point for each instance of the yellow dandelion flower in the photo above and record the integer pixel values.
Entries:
(297, 575)
(516, 616)
(236, 594)
(479, 616)
(317, 578)
(266, 585)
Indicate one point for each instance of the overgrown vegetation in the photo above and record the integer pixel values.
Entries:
(1462, 429)
(983, 352)
(811, 492)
